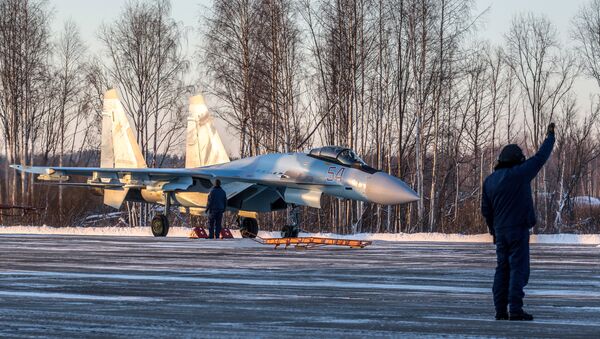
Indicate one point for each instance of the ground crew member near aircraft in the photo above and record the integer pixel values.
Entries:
(215, 206)
(507, 206)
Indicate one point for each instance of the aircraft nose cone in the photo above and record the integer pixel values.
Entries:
(385, 189)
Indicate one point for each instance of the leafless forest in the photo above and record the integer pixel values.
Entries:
(408, 84)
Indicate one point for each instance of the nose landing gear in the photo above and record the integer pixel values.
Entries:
(291, 230)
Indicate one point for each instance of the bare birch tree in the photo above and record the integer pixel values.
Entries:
(545, 75)
(586, 31)
(70, 54)
(24, 51)
(146, 62)
(232, 58)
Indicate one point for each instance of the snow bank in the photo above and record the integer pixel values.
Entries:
(584, 239)
(586, 201)
(588, 239)
(118, 231)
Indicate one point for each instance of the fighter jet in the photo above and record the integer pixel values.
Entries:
(253, 185)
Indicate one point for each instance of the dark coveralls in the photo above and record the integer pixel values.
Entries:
(507, 206)
(216, 204)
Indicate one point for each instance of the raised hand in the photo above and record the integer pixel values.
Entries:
(551, 128)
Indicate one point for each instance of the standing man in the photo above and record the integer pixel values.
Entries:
(215, 206)
(507, 206)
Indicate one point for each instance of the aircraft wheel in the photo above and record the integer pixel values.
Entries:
(249, 228)
(160, 225)
(289, 231)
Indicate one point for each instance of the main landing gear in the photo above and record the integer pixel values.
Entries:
(248, 227)
(160, 225)
(160, 222)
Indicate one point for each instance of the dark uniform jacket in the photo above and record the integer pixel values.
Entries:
(217, 200)
(507, 202)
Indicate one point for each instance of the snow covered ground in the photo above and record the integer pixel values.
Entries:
(114, 286)
(588, 239)
(586, 201)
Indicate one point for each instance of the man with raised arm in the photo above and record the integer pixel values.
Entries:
(507, 206)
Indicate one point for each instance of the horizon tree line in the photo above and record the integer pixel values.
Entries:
(408, 84)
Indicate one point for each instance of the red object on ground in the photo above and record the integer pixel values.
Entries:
(198, 233)
(226, 234)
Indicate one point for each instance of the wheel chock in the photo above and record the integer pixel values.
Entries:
(198, 233)
(226, 234)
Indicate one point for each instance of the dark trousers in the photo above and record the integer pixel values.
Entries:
(214, 224)
(512, 270)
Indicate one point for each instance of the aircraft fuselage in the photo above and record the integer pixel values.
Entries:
(295, 178)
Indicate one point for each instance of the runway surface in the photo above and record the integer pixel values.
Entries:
(104, 286)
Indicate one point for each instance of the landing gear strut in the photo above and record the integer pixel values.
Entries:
(291, 230)
(160, 222)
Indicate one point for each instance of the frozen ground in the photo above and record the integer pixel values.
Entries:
(590, 239)
(65, 286)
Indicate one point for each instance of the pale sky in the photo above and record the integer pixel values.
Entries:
(89, 15)
(497, 20)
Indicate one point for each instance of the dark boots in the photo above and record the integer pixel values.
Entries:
(501, 315)
(523, 316)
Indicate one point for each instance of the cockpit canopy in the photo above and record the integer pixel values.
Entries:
(341, 155)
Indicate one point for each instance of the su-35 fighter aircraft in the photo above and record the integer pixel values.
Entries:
(262, 183)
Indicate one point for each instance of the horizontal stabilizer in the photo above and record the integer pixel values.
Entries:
(114, 197)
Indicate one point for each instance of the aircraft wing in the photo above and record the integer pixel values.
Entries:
(242, 187)
(89, 171)
(59, 174)
(164, 179)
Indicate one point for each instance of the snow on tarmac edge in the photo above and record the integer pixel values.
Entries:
(581, 239)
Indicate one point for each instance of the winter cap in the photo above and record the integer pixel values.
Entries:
(512, 154)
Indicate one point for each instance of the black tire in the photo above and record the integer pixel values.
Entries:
(160, 225)
(249, 228)
(290, 231)
(167, 225)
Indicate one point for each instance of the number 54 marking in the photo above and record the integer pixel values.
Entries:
(333, 174)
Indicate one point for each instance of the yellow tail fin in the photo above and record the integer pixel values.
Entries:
(119, 148)
(203, 143)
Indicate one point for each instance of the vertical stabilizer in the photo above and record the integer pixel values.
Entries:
(203, 144)
(107, 159)
(119, 148)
